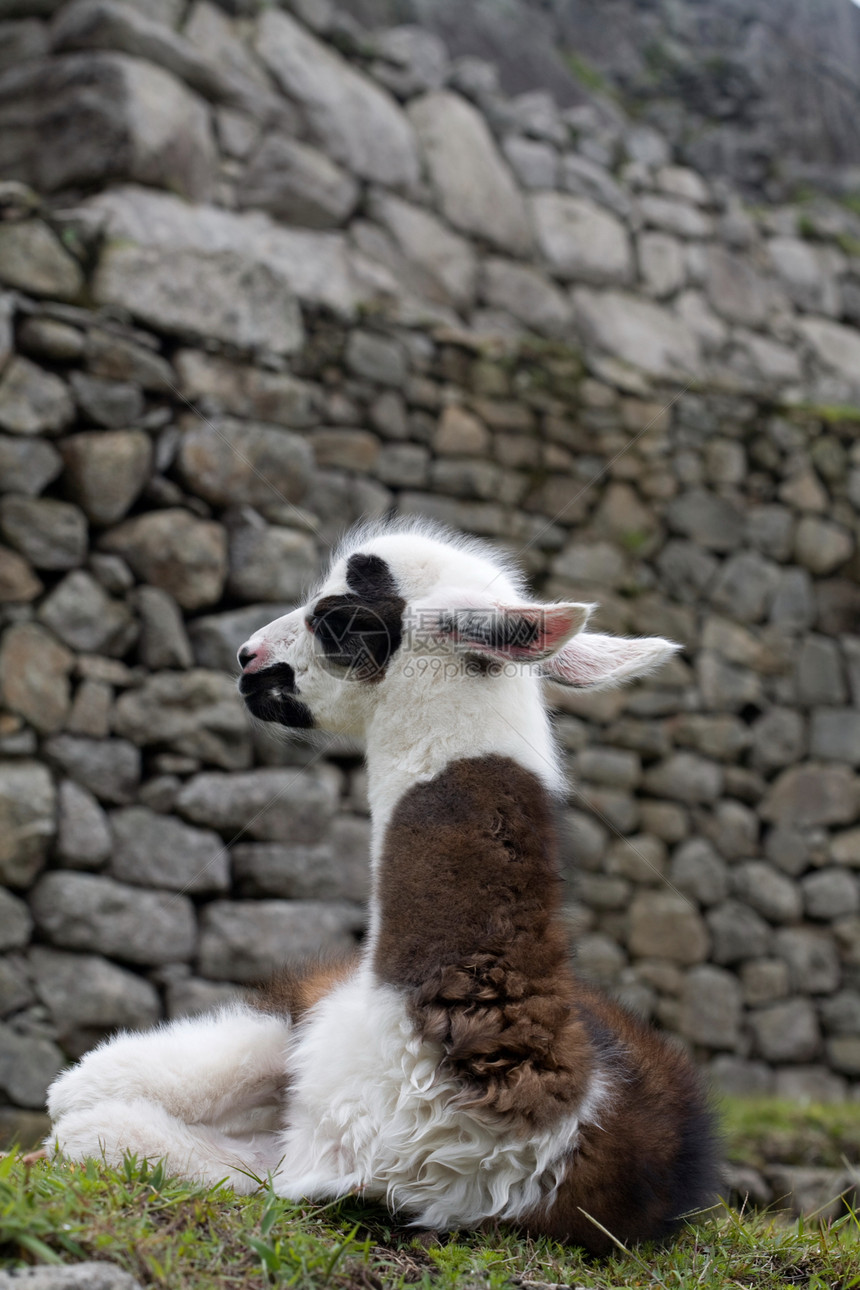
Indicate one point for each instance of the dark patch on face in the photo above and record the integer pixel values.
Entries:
(361, 630)
(471, 932)
(270, 695)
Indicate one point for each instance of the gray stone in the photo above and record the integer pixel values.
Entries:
(195, 713)
(807, 1084)
(215, 638)
(793, 607)
(403, 465)
(28, 1066)
(707, 518)
(812, 958)
(830, 893)
(27, 465)
(270, 563)
(598, 563)
(597, 958)
(46, 338)
(446, 262)
(764, 981)
(778, 738)
(248, 941)
(745, 586)
(803, 274)
(116, 357)
(739, 1078)
(639, 332)
(32, 260)
(535, 164)
(835, 735)
(27, 820)
(118, 116)
(34, 676)
(641, 858)
(734, 288)
(298, 184)
(87, 996)
(474, 186)
(737, 933)
(661, 264)
(812, 794)
(83, 835)
(188, 996)
(664, 925)
(77, 1276)
(16, 925)
(822, 546)
(767, 891)
(106, 471)
(585, 178)
(841, 1013)
(410, 60)
(723, 737)
(26, 38)
(163, 640)
(153, 850)
(335, 870)
(109, 768)
(699, 873)
(33, 401)
(581, 241)
(685, 777)
(674, 216)
(254, 268)
(82, 911)
(836, 347)
(176, 551)
(376, 358)
(613, 766)
(356, 123)
(230, 462)
(81, 613)
(845, 848)
(711, 1008)
(786, 1031)
(50, 534)
(526, 294)
(686, 571)
(91, 710)
(734, 829)
(190, 292)
(277, 398)
(107, 403)
(16, 991)
(269, 804)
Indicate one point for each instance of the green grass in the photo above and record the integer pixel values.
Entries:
(759, 1130)
(181, 1237)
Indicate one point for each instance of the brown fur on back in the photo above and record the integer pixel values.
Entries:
(470, 931)
(294, 990)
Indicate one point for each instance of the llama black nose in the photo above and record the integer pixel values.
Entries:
(246, 656)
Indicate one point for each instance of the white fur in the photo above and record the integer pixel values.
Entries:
(370, 1107)
(371, 1112)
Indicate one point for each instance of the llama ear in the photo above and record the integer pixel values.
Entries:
(523, 633)
(594, 662)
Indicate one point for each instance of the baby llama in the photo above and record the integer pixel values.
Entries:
(455, 1068)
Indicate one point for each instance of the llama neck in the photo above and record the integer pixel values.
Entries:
(415, 735)
(463, 835)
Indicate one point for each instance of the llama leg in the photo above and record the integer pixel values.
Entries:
(205, 1092)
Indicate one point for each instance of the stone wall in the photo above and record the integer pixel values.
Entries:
(254, 288)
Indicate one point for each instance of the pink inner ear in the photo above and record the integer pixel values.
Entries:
(524, 633)
(556, 624)
(591, 661)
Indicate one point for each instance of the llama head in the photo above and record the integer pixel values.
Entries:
(407, 609)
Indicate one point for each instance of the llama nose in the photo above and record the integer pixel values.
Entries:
(246, 657)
